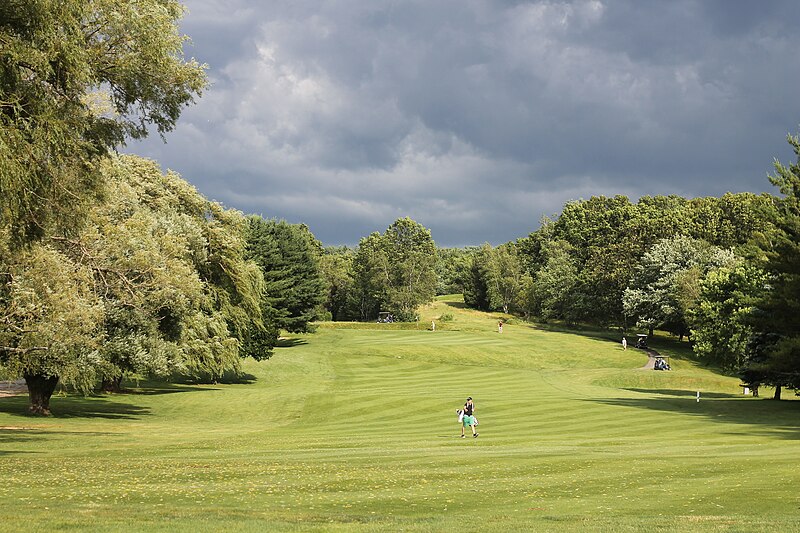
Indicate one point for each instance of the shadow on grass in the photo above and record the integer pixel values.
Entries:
(457, 305)
(290, 342)
(764, 417)
(185, 383)
(27, 432)
(77, 407)
(15, 434)
(661, 342)
(685, 393)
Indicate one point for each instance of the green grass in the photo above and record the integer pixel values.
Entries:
(354, 429)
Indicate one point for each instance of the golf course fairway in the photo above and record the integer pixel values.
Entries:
(353, 428)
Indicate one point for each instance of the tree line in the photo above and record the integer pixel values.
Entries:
(111, 268)
(722, 272)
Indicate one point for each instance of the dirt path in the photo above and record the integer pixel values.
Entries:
(651, 358)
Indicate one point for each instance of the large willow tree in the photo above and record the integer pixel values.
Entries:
(77, 78)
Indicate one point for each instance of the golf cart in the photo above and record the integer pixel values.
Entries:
(641, 341)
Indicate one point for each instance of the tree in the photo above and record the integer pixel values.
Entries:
(451, 266)
(776, 315)
(78, 77)
(410, 267)
(336, 266)
(503, 278)
(50, 321)
(180, 297)
(719, 319)
(288, 255)
(370, 274)
(731, 221)
(672, 267)
(395, 271)
(606, 235)
(475, 281)
(165, 268)
(550, 293)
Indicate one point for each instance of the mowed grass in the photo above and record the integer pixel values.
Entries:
(354, 429)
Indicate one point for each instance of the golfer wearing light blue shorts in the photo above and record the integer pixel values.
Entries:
(469, 417)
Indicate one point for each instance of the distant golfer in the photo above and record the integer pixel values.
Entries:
(433, 325)
(469, 417)
(624, 343)
(499, 327)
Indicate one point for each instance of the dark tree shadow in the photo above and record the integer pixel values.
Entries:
(77, 407)
(764, 417)
(290, 342)
(15, 434)
(24, 433)
(231, 378)
(457, 305)
(156, 388)
(684, 393)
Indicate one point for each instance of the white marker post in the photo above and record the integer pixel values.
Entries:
(698, 396)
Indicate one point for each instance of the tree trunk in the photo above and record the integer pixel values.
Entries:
(111, 384)
(777, 393)
(40, 389)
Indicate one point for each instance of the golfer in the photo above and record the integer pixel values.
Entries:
(469, 418)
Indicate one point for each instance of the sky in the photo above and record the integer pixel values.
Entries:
(478, 117)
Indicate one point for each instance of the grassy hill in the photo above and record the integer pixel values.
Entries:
(354, 429)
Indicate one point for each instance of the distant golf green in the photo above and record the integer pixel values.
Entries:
(354, 428)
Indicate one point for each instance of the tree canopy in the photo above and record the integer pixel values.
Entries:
(78, 77)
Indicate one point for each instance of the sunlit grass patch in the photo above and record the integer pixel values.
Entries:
(355, 430)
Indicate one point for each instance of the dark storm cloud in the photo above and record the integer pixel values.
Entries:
(476, 117)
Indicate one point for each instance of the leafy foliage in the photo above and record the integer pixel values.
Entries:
(336, 267)
(663, 286)
(170, 268)
(77, 78)
(395, 271)
(50, 320)
(720, 319)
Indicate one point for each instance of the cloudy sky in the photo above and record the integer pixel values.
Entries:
(478, 117)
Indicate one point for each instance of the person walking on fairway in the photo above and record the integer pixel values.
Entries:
(500, 327)
(624, 343)
(469, 417)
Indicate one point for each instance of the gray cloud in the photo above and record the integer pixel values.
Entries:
(476, 118)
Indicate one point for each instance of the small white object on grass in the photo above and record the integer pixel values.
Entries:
(698, 396)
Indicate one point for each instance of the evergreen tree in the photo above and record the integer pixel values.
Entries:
(776, 317)
(289, 257)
